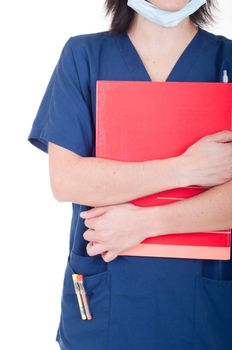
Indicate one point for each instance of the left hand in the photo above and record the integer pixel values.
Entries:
(114, 228)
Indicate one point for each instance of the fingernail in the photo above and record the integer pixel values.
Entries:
(82, 214)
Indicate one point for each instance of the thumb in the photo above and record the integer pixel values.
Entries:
(221, 136)
(87, 214)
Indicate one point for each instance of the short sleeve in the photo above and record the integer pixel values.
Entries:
(64, 114)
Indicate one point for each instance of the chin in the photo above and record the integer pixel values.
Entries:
(169, 5)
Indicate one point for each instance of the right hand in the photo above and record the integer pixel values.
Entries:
(210, 159)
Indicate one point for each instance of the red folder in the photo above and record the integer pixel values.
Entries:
(141, 120)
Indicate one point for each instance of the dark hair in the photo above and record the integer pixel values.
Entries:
(122, 14)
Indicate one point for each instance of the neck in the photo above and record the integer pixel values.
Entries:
(153, 37)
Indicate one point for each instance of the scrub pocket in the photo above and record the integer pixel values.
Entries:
(213, 314)
(73, 332)
(151, 303)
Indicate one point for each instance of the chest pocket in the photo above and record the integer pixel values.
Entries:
(73, 332)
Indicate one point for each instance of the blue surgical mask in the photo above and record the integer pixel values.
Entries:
(163, 17)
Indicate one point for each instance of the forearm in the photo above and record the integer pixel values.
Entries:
(96, 181)
(209, 211)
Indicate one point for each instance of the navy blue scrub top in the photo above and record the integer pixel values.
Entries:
(136, 302)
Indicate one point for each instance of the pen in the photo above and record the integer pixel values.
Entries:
(84, 296)
(78, 294)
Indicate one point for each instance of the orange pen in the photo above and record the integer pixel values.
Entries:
(80, 279)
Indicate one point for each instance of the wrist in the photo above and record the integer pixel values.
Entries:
(183, 171)
(176, 171)
(156, 221)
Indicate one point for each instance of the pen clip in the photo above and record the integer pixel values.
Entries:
(225, 77)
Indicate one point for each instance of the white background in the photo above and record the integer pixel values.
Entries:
(34, 226)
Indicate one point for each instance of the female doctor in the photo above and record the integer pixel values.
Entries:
(139, 302)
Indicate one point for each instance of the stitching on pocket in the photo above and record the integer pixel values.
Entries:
(90, 281)
(110, 310)
(88, 265)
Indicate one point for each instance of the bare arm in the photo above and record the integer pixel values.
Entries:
(96, 181)
(208, 211)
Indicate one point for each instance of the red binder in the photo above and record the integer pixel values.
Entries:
(141, 120)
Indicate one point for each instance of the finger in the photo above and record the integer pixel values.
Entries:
(93, 212)
(90, 235)
(90, 223)
(94, 249)
(108, 256)
(93, 223)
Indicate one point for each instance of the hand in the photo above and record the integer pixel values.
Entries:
(114, 228)
(210, 159)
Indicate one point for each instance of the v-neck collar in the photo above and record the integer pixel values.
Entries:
(181, 68)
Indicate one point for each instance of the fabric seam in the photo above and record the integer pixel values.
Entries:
(194, 313)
